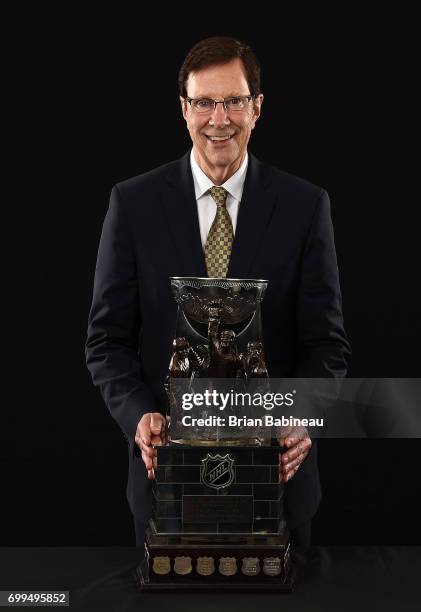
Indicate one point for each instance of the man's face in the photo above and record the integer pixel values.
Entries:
(220, 82)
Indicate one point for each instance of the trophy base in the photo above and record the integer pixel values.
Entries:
(286, 586)
(251, 563)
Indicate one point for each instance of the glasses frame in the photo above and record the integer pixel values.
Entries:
(215, 102)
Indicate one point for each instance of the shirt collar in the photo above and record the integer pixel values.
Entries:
(233, 185)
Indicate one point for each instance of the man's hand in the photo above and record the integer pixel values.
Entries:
(150, 432)
(298, 443)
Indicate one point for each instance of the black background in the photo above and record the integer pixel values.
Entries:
(341, 109)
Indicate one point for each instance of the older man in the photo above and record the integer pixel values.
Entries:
(170, 222)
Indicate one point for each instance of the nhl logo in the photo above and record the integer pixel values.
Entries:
(217, 471)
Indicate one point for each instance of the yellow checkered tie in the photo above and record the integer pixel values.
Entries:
(219, 241)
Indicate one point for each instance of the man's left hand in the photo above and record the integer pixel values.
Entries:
(298, 444)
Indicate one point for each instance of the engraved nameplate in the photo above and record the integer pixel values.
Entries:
(217, 508)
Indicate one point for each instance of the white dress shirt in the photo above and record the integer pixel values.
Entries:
(206, 205)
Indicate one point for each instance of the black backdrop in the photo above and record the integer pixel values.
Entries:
(340, 109)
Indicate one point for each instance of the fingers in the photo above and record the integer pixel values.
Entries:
(286, 472)
(286, 475)
(150, 462)
(288, 435)
(295, 448)
(156, 423)
(149, 450)
(290, 461)
(151, 466)
(149, 425)
(145, 448)
(143, 432)
(295, 463)
(147, 460)
(156, 441)
(150, 433)
(283, 433)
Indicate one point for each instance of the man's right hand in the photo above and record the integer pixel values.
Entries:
(150, 432)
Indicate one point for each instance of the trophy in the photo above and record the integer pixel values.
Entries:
(218, 518)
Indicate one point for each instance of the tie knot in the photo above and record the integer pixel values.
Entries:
(219, 194)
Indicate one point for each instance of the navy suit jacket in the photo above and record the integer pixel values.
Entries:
(151, 232)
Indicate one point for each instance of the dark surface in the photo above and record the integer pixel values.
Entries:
(334, 578)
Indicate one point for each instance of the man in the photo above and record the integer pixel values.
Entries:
(171, 222)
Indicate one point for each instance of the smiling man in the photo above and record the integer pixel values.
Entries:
(168, 222)
(220, 112)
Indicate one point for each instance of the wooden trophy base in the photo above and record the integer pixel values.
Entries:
(228, 563)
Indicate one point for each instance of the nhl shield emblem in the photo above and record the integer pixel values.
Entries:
(217, 471)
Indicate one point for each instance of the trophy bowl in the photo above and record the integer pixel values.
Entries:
(235, 299)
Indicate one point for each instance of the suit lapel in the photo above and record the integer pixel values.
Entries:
(181, 212)
(255, 211)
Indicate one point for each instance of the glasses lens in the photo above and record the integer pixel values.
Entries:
(235, 104)
(204, 105)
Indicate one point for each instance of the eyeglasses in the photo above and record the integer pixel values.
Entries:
(207, 105)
